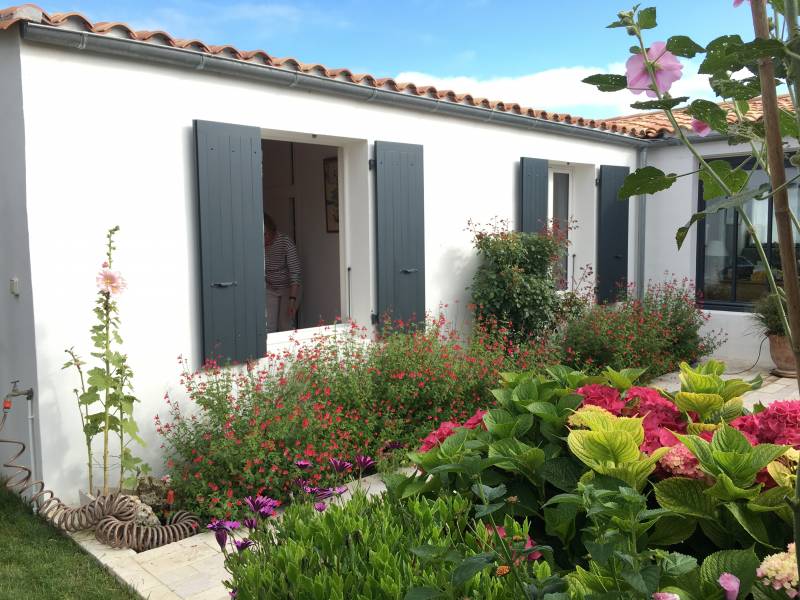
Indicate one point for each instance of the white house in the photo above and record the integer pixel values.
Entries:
(185, 145)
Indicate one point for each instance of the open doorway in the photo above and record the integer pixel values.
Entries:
(301, 197)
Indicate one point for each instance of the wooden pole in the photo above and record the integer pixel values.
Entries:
(780, 200)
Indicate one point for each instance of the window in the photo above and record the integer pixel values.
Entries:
(730, 272)
(558, 214)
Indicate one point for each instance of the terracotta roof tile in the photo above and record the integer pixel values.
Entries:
(642, 125)
(656, 124)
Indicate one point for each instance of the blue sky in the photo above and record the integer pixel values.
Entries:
(527, 51)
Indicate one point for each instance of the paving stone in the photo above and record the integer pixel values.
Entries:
(162, 592)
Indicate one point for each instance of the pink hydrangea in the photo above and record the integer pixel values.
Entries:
(659, 415)
(665, 596)
(666, 66)
(110, 282)
(780, 423)
(747, 424)
(604, 396)
(475, 420)
(679, 461)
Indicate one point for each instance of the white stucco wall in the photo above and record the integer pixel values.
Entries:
(109, 142)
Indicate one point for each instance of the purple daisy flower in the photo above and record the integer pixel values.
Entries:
(302, 464)
(250, 523)
(221, 529)
(242, 545)
(364, 463)
(320, 506)
(323, 493)
(340, 465)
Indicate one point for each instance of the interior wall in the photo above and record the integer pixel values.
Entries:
(293, 175)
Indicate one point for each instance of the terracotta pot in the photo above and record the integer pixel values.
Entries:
(781, 353)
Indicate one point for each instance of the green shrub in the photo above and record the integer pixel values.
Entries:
(658, 332)
(370, 549)
(515, 284)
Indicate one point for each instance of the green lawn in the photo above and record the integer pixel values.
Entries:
(39, 562)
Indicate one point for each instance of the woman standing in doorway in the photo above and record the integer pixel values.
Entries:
(282, 272)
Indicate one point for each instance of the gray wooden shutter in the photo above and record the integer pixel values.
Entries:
(400, 231)
(533, 194)
(612, 234)
(231, 240)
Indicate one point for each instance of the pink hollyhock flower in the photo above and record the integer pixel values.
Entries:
(701, 128)
(666, 66)
(110, 282)
(781, 420)
(665, 596)
(475, 420)
(604, 396)
(738, 3)
(730, 583)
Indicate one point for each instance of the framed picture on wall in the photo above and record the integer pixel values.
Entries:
(330, 169)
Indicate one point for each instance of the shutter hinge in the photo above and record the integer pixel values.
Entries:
(373, 317)
(597, 181)
(372, 164)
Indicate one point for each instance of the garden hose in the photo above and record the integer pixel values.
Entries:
(112, 516)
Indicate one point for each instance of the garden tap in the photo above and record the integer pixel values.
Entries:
(15, 391)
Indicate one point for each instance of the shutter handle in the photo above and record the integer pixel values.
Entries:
(618, 256)
(409, 271)
(223, 284)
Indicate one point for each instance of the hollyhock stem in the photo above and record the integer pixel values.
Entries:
(724, 186)
(780, 199)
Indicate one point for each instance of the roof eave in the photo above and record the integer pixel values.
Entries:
(191, 59)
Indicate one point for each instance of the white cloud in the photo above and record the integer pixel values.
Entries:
(561, 89)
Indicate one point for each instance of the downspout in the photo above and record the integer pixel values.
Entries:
(641, 225)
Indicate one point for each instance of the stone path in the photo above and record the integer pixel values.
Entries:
(193, 569)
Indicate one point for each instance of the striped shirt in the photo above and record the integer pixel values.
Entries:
(281, 264)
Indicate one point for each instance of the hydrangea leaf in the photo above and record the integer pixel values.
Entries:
(596, 448)
(671, 530)
(686, 497)
(752, 522)
(742, 563)
(728, 439)
(725, 490)
(702, 404)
